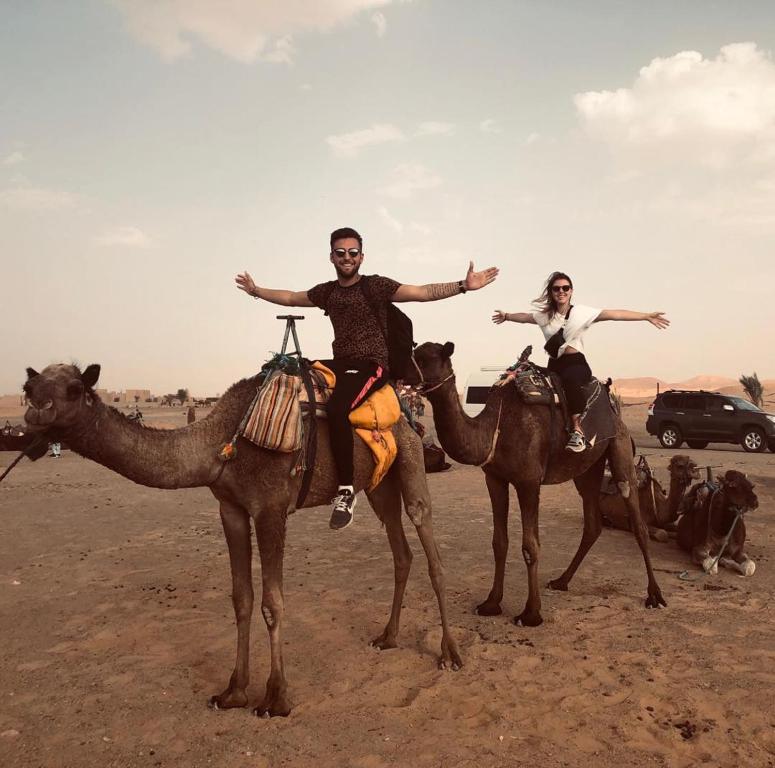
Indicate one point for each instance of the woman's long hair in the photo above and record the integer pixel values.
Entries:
(545, 302)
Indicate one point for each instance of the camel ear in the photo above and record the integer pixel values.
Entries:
(90, 376)
(31, 373)
(447, 349)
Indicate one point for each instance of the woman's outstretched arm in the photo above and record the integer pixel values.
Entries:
(515, 317)
(657, 319)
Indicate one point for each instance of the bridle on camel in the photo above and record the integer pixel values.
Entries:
(34, 445)
(424, 387)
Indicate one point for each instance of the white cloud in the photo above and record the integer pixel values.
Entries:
(128, 237)
(716, 111)
(350, 144)
(406, 179)
(245, 30)
(380, 22)
(532, 138)
(392, 222)
(435, 128)
(14, 158)
(490, 126)
(25, 198)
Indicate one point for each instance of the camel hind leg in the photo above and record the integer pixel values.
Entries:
(236, 528)
(620, 454)
(588, 486)
(499, 499)
(410, 468)
(386, 501)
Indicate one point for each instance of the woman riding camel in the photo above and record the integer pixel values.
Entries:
(564, 325)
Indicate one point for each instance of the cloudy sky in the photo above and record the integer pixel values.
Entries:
(151, 149)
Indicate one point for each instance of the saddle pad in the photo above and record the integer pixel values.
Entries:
(600, 414)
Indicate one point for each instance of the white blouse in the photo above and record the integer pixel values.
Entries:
(581, 317)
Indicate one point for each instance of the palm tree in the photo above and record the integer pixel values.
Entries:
(753, 389)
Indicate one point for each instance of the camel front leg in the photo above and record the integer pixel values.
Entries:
(528, 494)
(270, 532)
(499, 499)
(236, 527)
(588, 486)
(386, 501)
(742, 564)
(450, 653)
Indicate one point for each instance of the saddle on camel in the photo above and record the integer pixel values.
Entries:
(712, 526)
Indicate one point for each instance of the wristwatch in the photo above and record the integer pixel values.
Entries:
(461, 286)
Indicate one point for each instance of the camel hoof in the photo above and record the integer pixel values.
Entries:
(488, 608)
(655, 600)
(559, 585)
(453, 662)
(227, 700)
(527, 619)
(383, 643)
(659, 535)
(279, 708)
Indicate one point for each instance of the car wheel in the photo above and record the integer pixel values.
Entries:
(670, 436)
(753, 440)
(697, 443)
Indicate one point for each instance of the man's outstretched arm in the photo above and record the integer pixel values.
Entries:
(434, 291)
(284, 298)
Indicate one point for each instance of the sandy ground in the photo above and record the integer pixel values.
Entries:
(116, 626)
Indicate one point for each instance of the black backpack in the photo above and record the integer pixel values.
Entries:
(399, 336)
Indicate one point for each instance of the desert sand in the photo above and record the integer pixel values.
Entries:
(117, 626)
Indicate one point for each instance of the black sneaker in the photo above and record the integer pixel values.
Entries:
(342, 514)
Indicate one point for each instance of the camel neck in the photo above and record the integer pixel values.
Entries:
(157, 458)
(467, 440)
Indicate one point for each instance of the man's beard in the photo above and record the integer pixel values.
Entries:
(344, 275)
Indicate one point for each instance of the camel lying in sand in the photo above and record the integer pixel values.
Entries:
(710, 513)
(659, 509)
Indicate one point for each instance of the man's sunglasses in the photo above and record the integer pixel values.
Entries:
(563, 288)
(340, 252)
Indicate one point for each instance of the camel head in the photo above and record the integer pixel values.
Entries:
(739, 490)
(433, 364)
(683, 469)
(57, 396)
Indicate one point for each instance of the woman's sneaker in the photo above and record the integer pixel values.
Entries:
(342, 514)
(576, 442)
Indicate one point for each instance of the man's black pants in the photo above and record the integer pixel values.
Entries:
(355, 381)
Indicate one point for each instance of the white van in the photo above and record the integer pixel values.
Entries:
(478, 387)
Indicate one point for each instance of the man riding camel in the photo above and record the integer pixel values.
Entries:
(360, 349)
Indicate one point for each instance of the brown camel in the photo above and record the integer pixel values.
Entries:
(712, 525)
(256, 484)
(512, 441)
(658, 509)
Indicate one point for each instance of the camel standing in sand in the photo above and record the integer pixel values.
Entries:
(513, 441)
(256, 484)
(658, 509)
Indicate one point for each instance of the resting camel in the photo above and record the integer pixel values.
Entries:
(256, 484)
(658, 509)
(518, 454)
(710, 514)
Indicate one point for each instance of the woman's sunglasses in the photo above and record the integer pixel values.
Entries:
(563, 288)
(340, 252)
